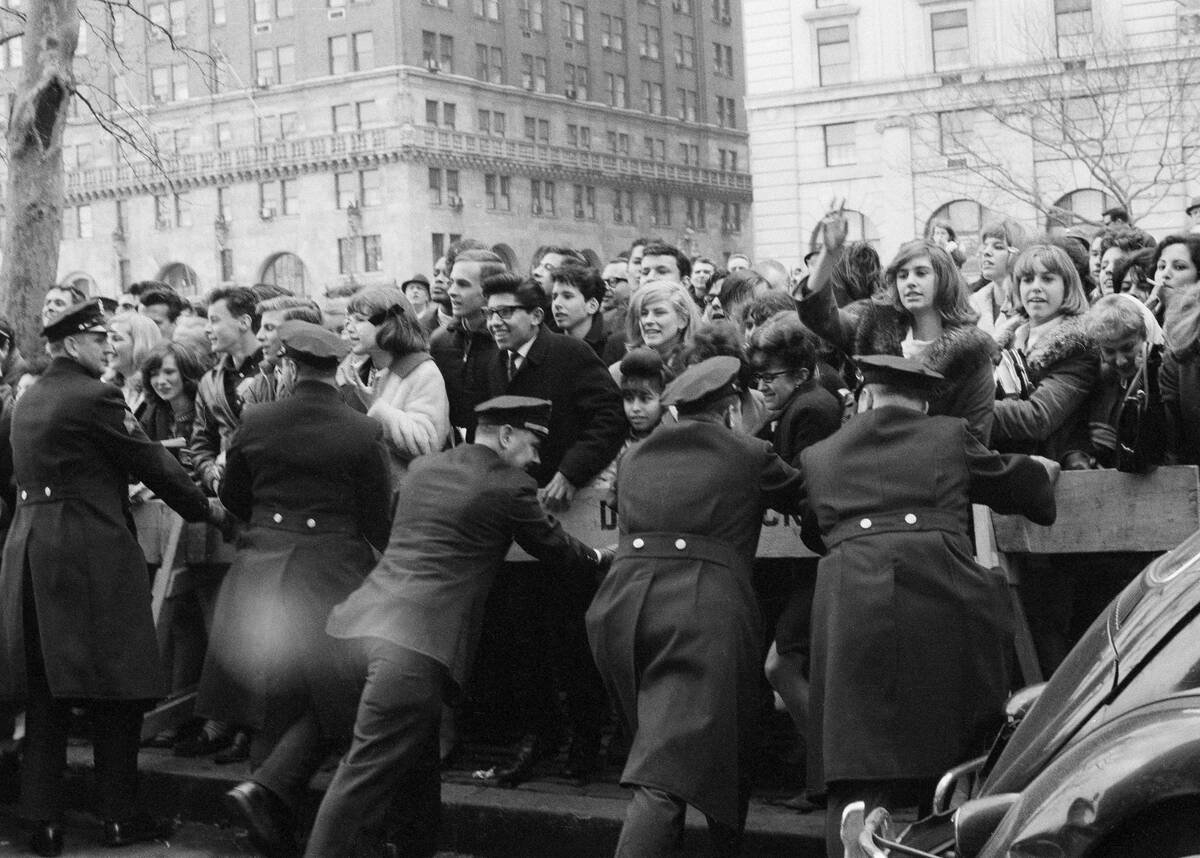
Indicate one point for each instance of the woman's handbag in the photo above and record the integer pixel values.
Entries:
(1140, 423)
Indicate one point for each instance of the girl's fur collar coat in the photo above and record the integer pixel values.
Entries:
(1068, 340)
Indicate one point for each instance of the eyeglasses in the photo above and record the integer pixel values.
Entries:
(770, 377)
(504, 313)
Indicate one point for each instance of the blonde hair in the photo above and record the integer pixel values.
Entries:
(144, 334)
(674, 294)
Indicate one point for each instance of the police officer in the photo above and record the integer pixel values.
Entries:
(910, 635)
(418, 615)
(75, 615)
(675, 626)
(311, 477)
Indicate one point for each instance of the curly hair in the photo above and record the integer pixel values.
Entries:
(783, 338)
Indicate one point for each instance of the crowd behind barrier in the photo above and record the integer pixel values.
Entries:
(1081, 348)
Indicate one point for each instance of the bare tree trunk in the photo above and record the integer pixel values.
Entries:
(34, 202)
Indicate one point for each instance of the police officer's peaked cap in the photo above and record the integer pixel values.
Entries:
(897, 371)
(312, 344)
(86, 317)
(701, 384)
(417, 278)
(524, 412)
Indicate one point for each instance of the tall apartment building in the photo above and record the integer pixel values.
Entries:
(312, 143)
(920, 109)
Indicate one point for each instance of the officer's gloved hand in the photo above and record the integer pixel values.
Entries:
(606, 556)
(221, 519)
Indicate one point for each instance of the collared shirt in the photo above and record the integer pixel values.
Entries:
(522, 352)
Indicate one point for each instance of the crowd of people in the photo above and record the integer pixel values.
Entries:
(1080, 349)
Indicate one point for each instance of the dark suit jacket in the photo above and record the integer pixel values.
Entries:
(464, 358)
(587, 422)
(457, 514)
(75, 447)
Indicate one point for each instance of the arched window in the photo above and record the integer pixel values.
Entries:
(859, 226)
(286, 270)
(181, 277)
(966, 218)
(1083, 206)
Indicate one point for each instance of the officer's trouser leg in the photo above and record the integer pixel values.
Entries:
(653, 824)
(46, 724)
(395, 741)
(116, 728)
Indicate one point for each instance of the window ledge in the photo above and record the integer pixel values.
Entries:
(847, 10)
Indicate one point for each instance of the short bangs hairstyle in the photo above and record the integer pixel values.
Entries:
(188, 361)
(292, 308)
(142, 331)
(1056, 261)
(676, 295)
(526, 290)
(1007, 230)
(1114, 318)
(583, 278)
(952, 299)
(398, 332)
(783, 338)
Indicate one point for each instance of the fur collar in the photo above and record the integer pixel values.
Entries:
(1068, 340)
(956, 354)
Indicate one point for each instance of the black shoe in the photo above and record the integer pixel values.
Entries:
(267, 819)
(238, 750)
(531, 750)
(136, 829)
(202, 744)
(47, 838)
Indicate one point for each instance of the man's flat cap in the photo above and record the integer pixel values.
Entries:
(897, 372)
(417, 278)
(1194, 204)
(702, 384)
(86, 317)
(312, 344)
(524, 412)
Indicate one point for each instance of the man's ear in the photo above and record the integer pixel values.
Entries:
(592, 306)
(537, 314)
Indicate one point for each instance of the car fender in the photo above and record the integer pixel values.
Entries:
(1144, 757)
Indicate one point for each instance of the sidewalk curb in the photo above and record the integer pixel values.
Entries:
(551, 818)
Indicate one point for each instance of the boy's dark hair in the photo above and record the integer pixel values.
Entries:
(490, 263)
(168, 297)
(582, 277)
(525, 289)
(644, 242)
(644, 364)
(681, 258)
(767, 305)
(143, 287)
(458, 248)
(300, 309)
(239, 300)
(569, 252)
(1116, 214)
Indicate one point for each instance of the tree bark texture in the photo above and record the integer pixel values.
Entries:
(36, 182)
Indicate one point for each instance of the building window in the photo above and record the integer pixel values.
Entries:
(533, 15)
(489, 64)
(949, 37)
(695, 216)
(833, 55)
(612, 33)
(579, 136)
(541, 196)
(275, 65)
(372, 247)
(370, 186)
(364, 50)
(652, 97)
(573, 22)
(650, 46)
(685, 51)
(618, 143)
(839, 144)
(584, 202)
(437, 51)
(160, 83)
(689, 154)
(655, 148)
(575, 83)
(435, 186)
(1072, 25)
(731, 217)
(954, 131)
(343, 118)
(726, 112)
(224, 208)
(496, 192)
(345, 255)
(440, 113)
(226, 265)
(728, 159)
(345, 188)
(223, 135)
(270, 202)
(439, 180)
(439, 4)
(722, 59)
(721, 11)
(618, 89)
(492, 122)
(537, 130)
(489, 9)
(660, 210)
(533, 73)
(83, 222)
(289, 198)
(623, 207)
(218, 13)
(683, 7)
(339, 54)
(689, 102)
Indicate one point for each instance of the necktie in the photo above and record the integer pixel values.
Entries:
(512, 365)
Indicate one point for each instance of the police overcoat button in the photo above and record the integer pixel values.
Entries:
(277, 518)
(24, 495)
(639, 542)
(910, 519)
(47, 490)
(865, 524)
(312, 522)
(680, 544)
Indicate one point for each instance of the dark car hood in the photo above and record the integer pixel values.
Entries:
(1161, 598)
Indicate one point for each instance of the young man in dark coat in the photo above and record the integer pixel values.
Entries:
(310, 476)
(675, 625)
(587, 428)
(910, 635)
(75, 614)
(418, 615)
